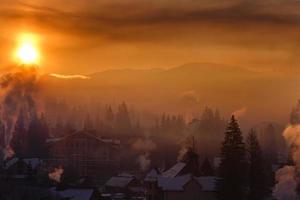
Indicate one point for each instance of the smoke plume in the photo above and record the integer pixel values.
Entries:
(240, 112)
(287, 185)
(56, 174)
(144, 147)
(288, 176)
(18, 92)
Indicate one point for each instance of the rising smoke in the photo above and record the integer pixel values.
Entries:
(288, 176)
(144, 147)
(18, 92)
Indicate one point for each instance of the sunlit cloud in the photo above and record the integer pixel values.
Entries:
(73, 76)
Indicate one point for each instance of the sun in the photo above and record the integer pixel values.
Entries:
(27, 52)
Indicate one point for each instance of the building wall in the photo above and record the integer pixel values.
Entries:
(85, 155)
(192, 191)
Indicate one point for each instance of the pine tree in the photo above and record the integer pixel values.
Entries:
(231, 180)
(270, 143)
(19, 140)
(38, 132)
(256, 170)
(88, 123)
(206, 168)
(109, 115)
(123, 122)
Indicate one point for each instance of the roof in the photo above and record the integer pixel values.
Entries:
(175, 170)
(152, 175)
(74, 194)
(11, 162)
(119, 181)
(34, 162)
(208, 183)
(85, 132)
(173, 183)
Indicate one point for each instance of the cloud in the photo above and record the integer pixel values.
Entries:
(73, 76)
(108, 19)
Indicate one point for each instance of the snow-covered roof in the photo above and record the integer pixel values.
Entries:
(208, 183)
(175, 170)
(152, 175)
(173, 183)
(11, 162)
(125, 174)
(50, 140)
(74, 194)
(119, 181)
(34, 162)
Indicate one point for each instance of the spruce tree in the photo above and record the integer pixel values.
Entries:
(256, 176)
(231, 181)
(206, 168)
(123, 122)
(19, 140)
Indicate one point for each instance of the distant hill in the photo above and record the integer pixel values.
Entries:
(188, 88)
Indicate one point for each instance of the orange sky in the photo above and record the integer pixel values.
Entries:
(87, 36)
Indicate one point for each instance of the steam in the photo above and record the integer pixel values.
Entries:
(56, 174)
(288, 176)
(287, 185)
(181, 153)
(19, 91)
(144, 147)
(240, 112)
(144, 161)
(72, 76)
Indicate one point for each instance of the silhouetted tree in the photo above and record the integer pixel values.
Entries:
(231, 180)
(271, 145)
(123, 123)
(88, 123)
(109, 115)
(191, 158)
(256, 177)
(38, 132)
(19, 139)
(206, 168)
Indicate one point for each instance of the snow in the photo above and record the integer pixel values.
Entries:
(173, 183)
(208, 183)
(175, 170)
(50, 140)
(119, 181)
(74, 194)
(10, 163)
(34, 162)
(152, 175)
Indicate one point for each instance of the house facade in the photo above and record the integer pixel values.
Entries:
(85, 155)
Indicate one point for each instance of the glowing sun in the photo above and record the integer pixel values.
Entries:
(27, 51)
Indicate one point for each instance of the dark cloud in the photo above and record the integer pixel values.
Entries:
(116, 19)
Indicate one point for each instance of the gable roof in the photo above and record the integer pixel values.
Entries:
(10, 162)
(119, 181)
(208, 183)
(74, 194)
(88, 134)
(33, 162)
(175, 170)
(174, 183)
(152, 175)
